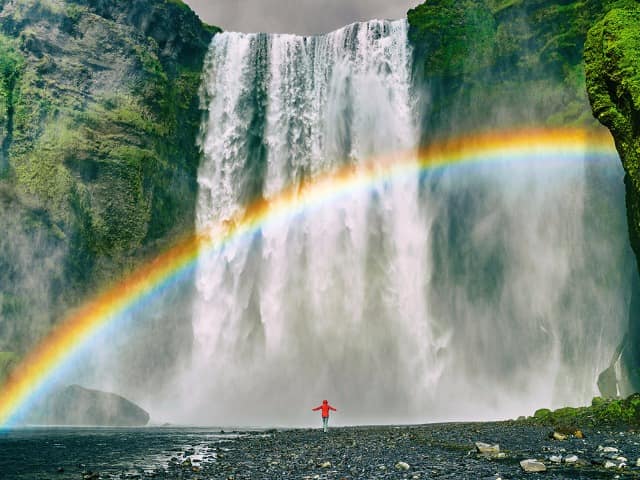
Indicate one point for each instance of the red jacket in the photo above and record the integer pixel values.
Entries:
(325, 407)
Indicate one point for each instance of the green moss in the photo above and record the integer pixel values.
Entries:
(601, 413)
(612, 57)
(446, 29)
(478, 59)
(7, 361)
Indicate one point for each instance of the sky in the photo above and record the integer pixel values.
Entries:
(296, 16)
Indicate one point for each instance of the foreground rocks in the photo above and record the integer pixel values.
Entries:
(446, 451)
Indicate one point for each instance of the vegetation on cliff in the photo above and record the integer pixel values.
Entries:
(99, 118)
(602, 412)
(612, 57)
(480, 58)
(488, 64)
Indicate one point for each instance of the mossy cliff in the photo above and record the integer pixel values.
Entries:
(496, 63)
(99, 117)
(612, 58)
(503, 64)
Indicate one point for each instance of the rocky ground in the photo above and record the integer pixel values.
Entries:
(429, 451)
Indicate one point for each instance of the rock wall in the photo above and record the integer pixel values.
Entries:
(99, 118)
(489, 64)
(612, 58)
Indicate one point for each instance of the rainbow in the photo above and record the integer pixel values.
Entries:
(29, 379)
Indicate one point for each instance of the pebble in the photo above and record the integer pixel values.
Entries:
(608, 449)
(555, 458)
(532, 465)
(559, 436)
(403, 466)
(610, 464)
(325, 465)
(487, 449)
(570, 459)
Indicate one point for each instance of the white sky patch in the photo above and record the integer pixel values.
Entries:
(296, 16)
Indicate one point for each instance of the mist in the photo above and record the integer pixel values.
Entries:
(31, 273)
(471, 293)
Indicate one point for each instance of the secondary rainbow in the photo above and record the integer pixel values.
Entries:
(29, 379)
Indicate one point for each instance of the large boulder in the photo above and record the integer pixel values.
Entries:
(75, 405)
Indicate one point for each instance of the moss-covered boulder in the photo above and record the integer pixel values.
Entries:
(618, 413)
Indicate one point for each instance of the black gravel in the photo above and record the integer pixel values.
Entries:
(431, 451)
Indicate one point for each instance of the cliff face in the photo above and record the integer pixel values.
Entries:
(491, 64)
(99, 117)
(612, 58)
(494, 63)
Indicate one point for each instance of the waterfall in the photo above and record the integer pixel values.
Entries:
(461, 295)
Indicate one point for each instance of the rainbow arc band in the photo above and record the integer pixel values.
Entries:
(29, 379)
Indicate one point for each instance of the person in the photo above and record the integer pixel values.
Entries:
(325, 407)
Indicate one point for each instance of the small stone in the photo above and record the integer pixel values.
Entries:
(555, 458)
(487, 449)
(610, 464)
(638, 463)
(570, 459)
(404, 466)
(578, 434)
(559, 436)
(532, 465)
(501, 455)
(609, 449)
(325, 465)
(622, 459)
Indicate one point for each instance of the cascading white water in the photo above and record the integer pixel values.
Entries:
(422, 299)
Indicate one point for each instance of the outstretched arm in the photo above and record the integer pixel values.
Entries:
(317, 408)
(334, 409)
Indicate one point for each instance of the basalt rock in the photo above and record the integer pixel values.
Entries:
(75, 405)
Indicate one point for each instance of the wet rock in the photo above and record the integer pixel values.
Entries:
(402, 466)
(558, 436)
(555, 458)
(610, 464)
(487, 449)
(578, 434)
(638, 462)
(570, 459)
(325, 465)
(607, 449)
(532, 465)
